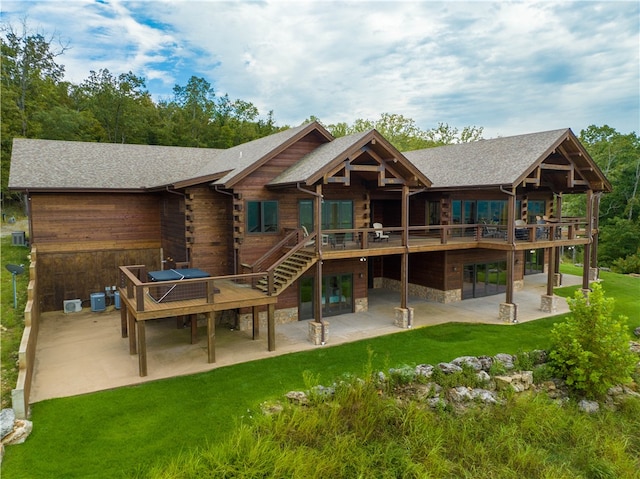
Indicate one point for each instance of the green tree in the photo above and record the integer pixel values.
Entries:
(590, 350)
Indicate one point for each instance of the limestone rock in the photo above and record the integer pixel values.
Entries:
(471, 361)
(634, 346)
(21, 430)
(449, 368)
(425, 370)
(506, 360)
(637, 331)
(298, 397)
(486, 362)
(7, 418)
(483, 376)
(519, 382)
(589, 407)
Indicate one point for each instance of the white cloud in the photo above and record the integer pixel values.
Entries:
(512, 67)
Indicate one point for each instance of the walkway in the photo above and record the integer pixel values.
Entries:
(84, 352)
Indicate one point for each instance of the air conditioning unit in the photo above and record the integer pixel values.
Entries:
(72, 306)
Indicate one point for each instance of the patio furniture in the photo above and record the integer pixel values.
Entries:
(379, 233)
(338, 240)
(174, 291)
(522, 233)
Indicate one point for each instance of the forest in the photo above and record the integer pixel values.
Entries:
(37, 102)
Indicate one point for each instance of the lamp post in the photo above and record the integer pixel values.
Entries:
(15, 270)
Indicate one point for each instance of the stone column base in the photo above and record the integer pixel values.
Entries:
(548, 304)
(315, 332)
(508, 312)
(593, 274)
(557, 280)
(404, 318)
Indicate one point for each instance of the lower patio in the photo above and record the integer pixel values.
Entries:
(84, 352)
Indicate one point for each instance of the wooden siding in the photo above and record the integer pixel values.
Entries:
(209, 226)
(66, 275)
(172, 216)
(58, 218)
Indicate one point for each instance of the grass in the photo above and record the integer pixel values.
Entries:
(121, 432)
(12, 319)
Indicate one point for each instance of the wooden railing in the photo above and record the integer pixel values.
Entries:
(136, 289)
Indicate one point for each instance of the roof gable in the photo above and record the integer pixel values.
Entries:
(367, 154)
(506, 161)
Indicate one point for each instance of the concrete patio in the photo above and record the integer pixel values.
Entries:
(84, 352)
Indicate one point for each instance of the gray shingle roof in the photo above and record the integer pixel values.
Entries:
(500, 161)
(317, 159)
(53, 164)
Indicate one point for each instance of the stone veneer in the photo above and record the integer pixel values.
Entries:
(548, 303)
(430, 294)
(315, 332)
(508, 312)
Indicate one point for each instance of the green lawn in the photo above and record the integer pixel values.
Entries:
(116, 433)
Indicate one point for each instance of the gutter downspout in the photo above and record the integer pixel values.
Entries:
(174, 192)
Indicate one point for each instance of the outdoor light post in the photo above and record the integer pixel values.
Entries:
(15, 270)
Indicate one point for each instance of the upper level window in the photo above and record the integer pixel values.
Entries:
(262, 216)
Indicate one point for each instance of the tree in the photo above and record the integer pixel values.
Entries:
(120, 103)
(590, 350)
(406, 135)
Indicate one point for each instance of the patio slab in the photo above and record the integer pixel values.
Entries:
(84, 352)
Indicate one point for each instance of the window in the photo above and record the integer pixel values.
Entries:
(534, 208)
(305, 214)
(433, 213)
(262, 216)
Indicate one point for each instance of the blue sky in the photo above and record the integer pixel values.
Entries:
(511, 67)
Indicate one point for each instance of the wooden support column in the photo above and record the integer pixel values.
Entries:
(511, 257)
(595, 231)
(123, 319)
(255, 316)
(142, 348)
(317, 313)
(193, 321)
(131, 321)
(586, 267)
(211, 337)
(404, 267)
(271, 327)
(551, 270)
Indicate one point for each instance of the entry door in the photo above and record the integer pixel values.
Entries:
(534, 261)
(483, 279)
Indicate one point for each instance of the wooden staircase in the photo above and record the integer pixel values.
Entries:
(287, 271)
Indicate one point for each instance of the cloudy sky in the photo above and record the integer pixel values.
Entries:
(511, 67)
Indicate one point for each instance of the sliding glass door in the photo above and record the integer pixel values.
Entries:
(337, 296)
(484, 279)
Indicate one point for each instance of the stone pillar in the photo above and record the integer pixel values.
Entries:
(315, 332)
(593, 274)
(548, 304)
(404, 318)
(508, 312)
(557, 280)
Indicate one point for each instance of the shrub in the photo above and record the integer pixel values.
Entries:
(590, 350)
(629, 264)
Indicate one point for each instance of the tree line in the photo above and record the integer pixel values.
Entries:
(37, 102)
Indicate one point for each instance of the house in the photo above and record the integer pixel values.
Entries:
(291, 216)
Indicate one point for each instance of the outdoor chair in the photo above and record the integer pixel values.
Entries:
(337, 240)
(522, 233)
(379, 233)
(325, 238)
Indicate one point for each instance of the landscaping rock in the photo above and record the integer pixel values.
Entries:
(506, 360)
(425, 370)
(471, 361)
(459, 394)
(519, 382)
(483, 376)
(21, 430)
(449, 368)
(589, 407)
(297, 397)
(637, 331)
(485, 396)
(634, 347)
(7, 418)
(486, 362)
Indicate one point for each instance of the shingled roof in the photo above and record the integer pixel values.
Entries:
(500, 161)
(74, 165)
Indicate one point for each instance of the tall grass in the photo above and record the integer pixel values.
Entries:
(364, 432)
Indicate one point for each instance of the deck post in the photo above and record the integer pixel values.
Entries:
(142, 348)
(271, 327)
(586, 267)
(131, 321)
(255, 316)
(123, 319)
(211, 337)
(193, 320)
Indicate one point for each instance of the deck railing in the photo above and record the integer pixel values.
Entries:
(132, 284)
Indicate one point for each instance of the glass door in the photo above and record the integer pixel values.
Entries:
(337, 296)
(484, 279)
(534, 261)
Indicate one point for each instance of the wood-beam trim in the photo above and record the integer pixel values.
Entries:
(550, 166)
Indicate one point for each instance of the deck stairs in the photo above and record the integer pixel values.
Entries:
(288, 270)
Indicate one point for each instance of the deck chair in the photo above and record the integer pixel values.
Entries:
(522, 233)
(306, 235)
(379, 233)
